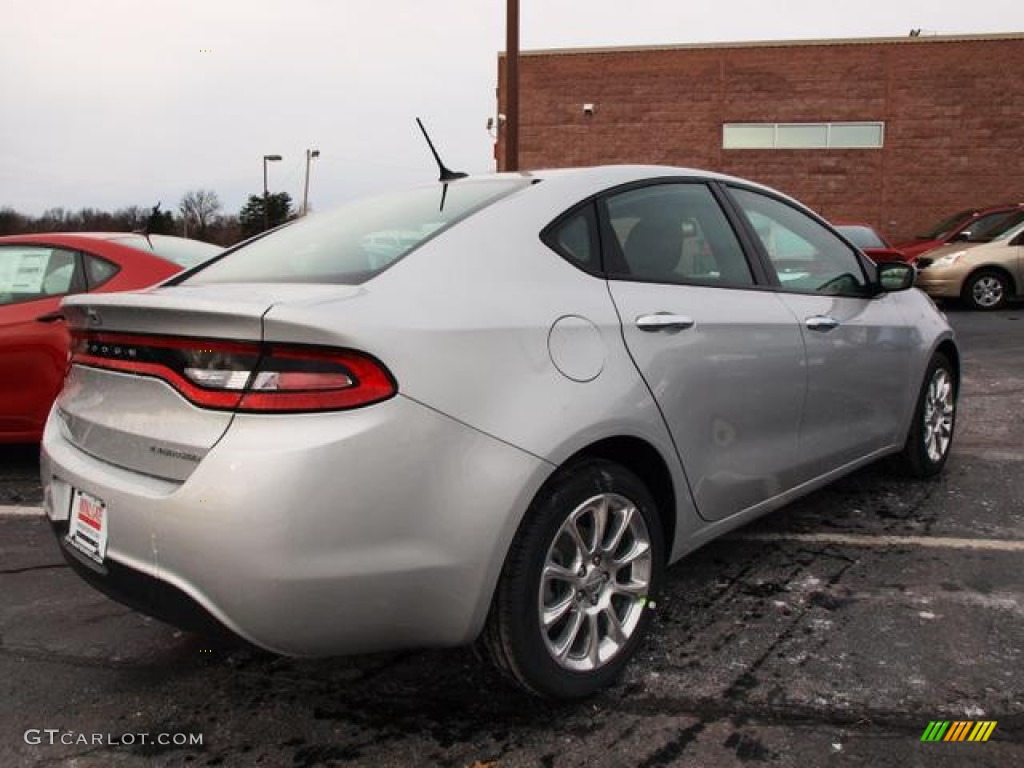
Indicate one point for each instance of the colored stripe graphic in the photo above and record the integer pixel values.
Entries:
(958, 730)
(982, 730)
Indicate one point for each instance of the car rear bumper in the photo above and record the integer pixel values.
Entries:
(314, 534)
(138, 590)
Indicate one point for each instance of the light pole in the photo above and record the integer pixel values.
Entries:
(310, 154)
(266, 192)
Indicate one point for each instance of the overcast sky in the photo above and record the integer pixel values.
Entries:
(109, 103)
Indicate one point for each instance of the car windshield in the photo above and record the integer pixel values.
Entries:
(357, 241)
(945, 228)
(862, 237)
(1000, 229)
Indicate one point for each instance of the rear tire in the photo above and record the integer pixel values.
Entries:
(575, 595)
(987, 289)
(931, 434)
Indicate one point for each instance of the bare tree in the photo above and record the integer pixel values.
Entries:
(199, 210)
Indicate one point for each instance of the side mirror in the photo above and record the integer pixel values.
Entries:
(962, 237)
(895, 276)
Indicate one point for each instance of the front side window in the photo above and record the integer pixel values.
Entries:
(674, 233)
(30, 272)
(806, 256)
(355, 242)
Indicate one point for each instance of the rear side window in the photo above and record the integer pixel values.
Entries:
(575, 238)
(30, 272)
(98, 271)
(355, 242)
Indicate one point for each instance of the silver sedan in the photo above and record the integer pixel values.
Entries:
(491, 410)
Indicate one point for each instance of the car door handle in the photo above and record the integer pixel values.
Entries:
(663, 321)
(50, 317)
(821, 323)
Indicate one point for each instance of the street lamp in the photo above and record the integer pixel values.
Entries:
(266, 192)
(310, 154)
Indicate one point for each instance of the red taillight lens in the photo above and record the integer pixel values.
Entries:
(291, 378)
(244, 376)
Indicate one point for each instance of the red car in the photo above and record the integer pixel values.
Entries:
(962, 226)
(36, 272)
(871, 241)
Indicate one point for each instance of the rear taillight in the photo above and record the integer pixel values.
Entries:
(244, 376)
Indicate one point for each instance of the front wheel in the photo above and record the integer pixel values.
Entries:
(931, 434)
(573, 601)
(986, 290)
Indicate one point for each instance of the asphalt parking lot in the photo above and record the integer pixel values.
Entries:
(831, 633)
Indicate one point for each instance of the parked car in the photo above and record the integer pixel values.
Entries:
(36, 272)
(874, 245)
(965, 226)
(503, 433)
(985, 275)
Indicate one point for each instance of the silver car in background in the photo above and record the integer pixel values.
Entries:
(490, 410)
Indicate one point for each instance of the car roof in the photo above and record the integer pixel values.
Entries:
(1000, 207)
(42, 236)
(181, 251)
(594, 179)
(611, 174)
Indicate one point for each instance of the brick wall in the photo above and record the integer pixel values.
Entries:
(953, 110)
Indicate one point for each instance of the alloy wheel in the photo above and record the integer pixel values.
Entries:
(987, 291)
(595, 581)
(938, 415)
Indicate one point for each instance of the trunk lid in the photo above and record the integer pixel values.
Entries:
(141, 422)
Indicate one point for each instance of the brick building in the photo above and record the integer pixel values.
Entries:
(897, 132)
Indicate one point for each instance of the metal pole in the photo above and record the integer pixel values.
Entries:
(266, 195)
(310, 154)
(512, 86)
(305, 188)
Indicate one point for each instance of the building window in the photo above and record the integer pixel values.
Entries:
(803, 135)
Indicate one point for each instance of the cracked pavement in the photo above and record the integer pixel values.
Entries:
(768, 648)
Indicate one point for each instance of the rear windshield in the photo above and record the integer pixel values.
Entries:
(357, 241)
(183, 252)
(862, 237)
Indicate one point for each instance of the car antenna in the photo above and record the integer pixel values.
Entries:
(149, 225)
(446, 174)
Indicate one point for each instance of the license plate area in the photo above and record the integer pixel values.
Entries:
(88, 525)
